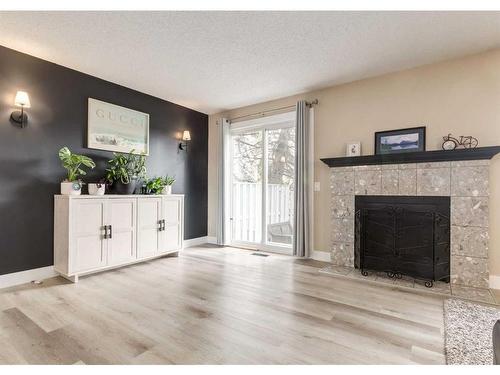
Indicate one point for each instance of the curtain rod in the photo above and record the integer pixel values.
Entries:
(264, 113)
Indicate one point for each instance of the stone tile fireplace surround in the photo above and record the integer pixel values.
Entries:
(466, 182)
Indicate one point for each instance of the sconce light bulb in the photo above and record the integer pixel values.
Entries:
(22, 99)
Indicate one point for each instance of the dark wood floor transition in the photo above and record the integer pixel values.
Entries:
(219, 306)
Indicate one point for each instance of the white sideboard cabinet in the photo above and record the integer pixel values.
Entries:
(94, 233)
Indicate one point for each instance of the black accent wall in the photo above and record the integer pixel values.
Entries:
(30, 170)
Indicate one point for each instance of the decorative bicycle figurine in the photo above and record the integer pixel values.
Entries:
(466, 141)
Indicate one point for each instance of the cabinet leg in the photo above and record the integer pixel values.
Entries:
(73, 279)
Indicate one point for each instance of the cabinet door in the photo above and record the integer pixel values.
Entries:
(173, 215)
(87, 235)
(148, 226)
(121, 216)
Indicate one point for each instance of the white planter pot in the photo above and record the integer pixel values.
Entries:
(71, 188)
(97, 189)
(167, 190)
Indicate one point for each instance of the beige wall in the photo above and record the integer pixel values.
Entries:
(460, 96)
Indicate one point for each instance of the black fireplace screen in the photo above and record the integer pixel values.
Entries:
(403, 236)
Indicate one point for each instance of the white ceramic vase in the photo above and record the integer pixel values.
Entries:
(71, 188)
(97, 189)
(167, 190)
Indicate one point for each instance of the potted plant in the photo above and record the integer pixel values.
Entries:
(124, 171)
(74, 164)
(154, 185)
(158, 185)
(168, 181)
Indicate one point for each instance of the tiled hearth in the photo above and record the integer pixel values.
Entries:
(448, 289)
(466, 182)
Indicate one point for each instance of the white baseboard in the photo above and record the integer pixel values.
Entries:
(494, 282)
(200, 241)
(195, 241)
(322, 256)
(212, 240)
(17, 278)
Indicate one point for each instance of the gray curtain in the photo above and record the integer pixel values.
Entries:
(302, 227)
(223, 185)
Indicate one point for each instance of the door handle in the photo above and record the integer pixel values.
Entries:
(105, 232)
(110, 231)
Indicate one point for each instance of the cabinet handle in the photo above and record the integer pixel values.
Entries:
(159, 226)
(163, 222)
(110, 231)
(105, 232)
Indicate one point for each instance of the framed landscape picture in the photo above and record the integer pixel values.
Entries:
(115, 128)
(400, 140)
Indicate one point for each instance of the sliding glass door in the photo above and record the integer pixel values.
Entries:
(262, 183)
(280, 185)
(246, 162)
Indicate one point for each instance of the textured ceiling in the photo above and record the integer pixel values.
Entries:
(211, 61)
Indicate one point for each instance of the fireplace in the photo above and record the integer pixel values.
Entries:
(403, 235)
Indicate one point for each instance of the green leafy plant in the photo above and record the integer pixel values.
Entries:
(169, 180)
(156, 185)
(124, 167)
(74, 164)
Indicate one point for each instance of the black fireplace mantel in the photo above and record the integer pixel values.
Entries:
(414, 157)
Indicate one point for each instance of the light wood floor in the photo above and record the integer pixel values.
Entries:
(219, 306)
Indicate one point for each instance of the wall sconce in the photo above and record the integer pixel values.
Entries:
(22, 100)
(186, 137)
